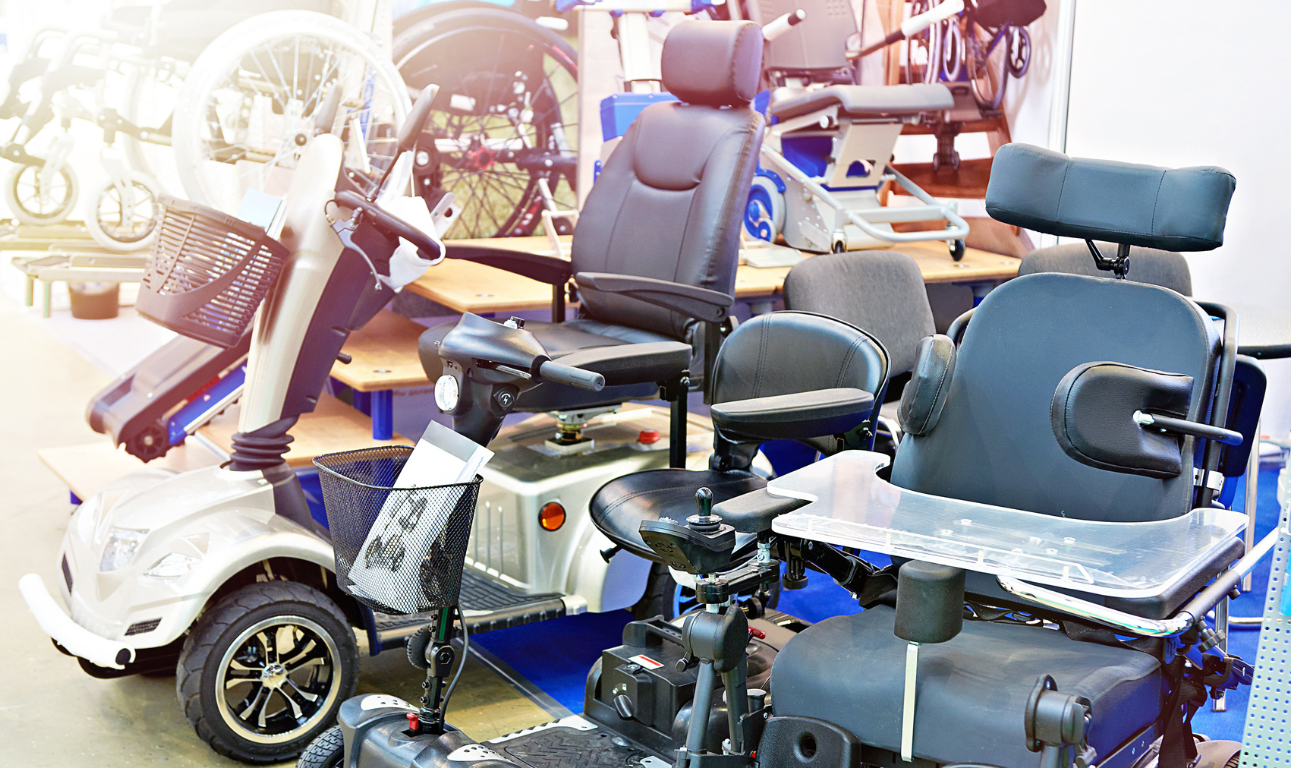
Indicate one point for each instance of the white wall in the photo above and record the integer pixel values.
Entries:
(1187, 82)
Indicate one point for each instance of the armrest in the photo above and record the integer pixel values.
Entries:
(794, 417)
(551, 270)
(754, 511)
(699, 303)
(633, 363)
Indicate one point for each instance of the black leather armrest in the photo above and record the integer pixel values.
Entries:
(754, 511)
(633, 363)
(794, 417)
(699, 303)
(551, 270)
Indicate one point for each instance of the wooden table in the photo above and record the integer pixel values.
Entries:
(465, 286)
(383, 358)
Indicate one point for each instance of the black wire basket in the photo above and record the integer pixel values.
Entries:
(398, 550)
(208, 273)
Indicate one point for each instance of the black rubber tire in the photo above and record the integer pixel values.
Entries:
(658, 597)
(219, 626)
(326, 751)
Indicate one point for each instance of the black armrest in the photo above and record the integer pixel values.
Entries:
(754, 511)
(699, 303)
(794, 417)
(633, 363)
(551, 270)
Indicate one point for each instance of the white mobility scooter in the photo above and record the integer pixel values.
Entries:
(222, 571)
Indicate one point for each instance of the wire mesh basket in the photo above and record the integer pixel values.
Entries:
(398, 550)
(208, 273)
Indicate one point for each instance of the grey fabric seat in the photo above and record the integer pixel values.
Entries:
(865, 100)
(666, 208)
(849, 670)
(1147, 265)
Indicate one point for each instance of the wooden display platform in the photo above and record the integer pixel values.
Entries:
(465, 286)
(384, 355)
(86, 469)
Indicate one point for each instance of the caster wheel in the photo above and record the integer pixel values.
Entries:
(764, 213)
(839, 247)
(957, 249)
(151, 443)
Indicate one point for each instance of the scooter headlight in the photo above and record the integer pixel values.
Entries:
(171, 566)
(447, 393)
(120, 549)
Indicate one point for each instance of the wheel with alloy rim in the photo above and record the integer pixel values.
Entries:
(265, 670)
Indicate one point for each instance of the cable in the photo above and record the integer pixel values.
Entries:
(466, 651)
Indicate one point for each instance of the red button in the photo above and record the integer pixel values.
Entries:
(759, 634)
(649, 436)
(414, 722)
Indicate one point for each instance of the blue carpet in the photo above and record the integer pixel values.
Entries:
(556, 655)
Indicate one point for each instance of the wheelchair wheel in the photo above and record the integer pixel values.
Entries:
(506, 117)
(124, 216)
(151, 95)
(249, 104)
(1019, 51)
(987, 57)
(764, 214)
(923, 50)
(37, 198)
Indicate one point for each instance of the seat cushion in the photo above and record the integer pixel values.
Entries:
(621, 505)
(865, 100)
(560, 339)
(972, 690)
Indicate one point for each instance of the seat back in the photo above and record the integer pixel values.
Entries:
(1147, 265)
(669, 202)
(880, 291)
(814, 48)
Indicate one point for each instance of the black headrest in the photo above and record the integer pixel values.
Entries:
(717, 63)
(1182, 209)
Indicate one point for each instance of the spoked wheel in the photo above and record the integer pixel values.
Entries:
(265, 670)
(150, 103)
(987, 57)
(124, 214)
(506, 117)
(38, 196)
(1019, 51)
(250, 104)
(924, 49)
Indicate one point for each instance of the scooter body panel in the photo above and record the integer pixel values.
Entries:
(212, 522)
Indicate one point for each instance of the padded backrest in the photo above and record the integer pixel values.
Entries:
(815, 46)
(994, 442)
(784, 353)
(1180, 209)
(669, 200)
(879, 291)
(1147, 265)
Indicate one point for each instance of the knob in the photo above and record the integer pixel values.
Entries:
(704, 521)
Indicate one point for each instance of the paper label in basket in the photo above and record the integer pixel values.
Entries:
(389, 563)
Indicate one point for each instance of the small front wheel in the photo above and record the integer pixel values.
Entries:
(39, 196)
(957, 250)
(326, 751)
(264, 671)
(125, 214)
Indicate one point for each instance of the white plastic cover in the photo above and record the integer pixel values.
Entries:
(851, 507)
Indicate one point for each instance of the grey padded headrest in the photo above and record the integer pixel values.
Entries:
(1182, 209)
(717, 63)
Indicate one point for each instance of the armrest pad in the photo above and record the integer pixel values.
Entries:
(633, 363)
(754, 511)
(551, 270)
(699, 303)
(794, 417)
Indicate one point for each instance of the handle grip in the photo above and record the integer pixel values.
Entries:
(570, 376)
(391, 225)
(782, 24)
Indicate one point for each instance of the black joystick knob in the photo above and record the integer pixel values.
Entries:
(704, 521)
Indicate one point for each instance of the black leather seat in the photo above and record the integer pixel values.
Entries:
(986, 433)
(657, 242)
(833, 375)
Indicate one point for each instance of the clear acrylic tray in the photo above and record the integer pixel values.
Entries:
(851, 507)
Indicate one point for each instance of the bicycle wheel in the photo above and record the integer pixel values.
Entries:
(506, 117)
(250, 102)
(37, 197)
(124, 216)
(988, 60)
(923, 49)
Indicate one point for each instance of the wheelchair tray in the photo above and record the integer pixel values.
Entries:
(851, 507)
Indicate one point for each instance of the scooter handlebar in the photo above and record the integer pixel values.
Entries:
(574, 377)
(391, 225)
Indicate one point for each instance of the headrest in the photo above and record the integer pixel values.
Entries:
(1183, 209)
(717, 63)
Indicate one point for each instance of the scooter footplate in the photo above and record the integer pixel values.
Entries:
(561, 746)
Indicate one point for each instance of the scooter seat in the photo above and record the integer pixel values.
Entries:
(895, 101)
(972, 690)
(622, 504)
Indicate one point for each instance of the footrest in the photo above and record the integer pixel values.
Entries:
(574, 742)
(488, 604)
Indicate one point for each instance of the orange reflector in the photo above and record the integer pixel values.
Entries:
(551, 516)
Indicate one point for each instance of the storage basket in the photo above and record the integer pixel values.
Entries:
(208, 273)
(398, 550)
